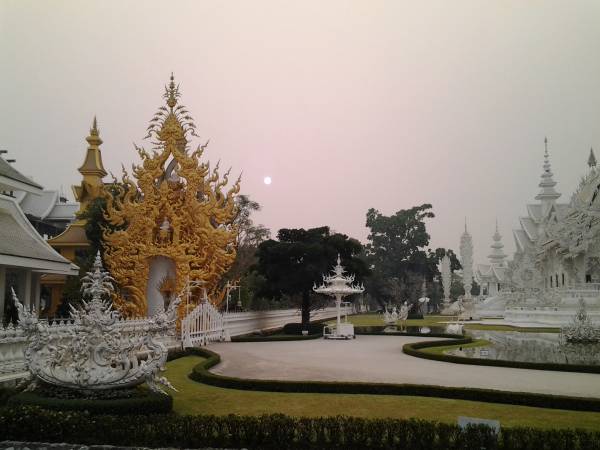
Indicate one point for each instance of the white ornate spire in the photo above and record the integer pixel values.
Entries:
(497, 256)
(466, 260)
(592, 159)
(548, 194)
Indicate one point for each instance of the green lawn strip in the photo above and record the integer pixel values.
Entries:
(198, 398)
(441, 350)
(366, 320)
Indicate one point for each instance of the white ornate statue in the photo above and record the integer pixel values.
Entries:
(446, 280)
(466, 260)
(98, 350)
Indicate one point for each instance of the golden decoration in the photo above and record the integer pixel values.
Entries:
(173, 207)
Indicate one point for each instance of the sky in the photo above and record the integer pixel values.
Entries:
(346, 105)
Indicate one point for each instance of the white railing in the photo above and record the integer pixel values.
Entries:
(202, 325)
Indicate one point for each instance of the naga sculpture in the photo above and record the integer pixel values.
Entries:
(97, 349)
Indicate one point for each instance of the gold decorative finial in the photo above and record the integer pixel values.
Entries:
(94, 137)
(172, 93)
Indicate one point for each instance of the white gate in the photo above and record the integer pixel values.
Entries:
(202, 325)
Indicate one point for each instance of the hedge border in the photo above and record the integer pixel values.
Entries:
(413, 348)
(201, 373)
(274, 432)
(275, 338)
(149, 402)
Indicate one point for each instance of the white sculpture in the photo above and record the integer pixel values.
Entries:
(404, 310)
(581, 330)
(446, 280)
(337, 285)
(466, 260)
(97, 350)
(390, 318)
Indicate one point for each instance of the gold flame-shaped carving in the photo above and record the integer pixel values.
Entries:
(176, 207)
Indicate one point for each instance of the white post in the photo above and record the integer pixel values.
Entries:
(2, 291)
(338, 302)
(27, 290)
(37, 290)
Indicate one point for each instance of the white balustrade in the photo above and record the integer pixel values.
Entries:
(203, 325)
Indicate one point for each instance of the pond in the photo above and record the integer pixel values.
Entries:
(411, 329)
(530, 347)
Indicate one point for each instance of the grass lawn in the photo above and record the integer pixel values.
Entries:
(366, 320)
(198, 398)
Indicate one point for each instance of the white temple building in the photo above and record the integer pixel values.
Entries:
(557, 258)
(24, 255)
(491, 277)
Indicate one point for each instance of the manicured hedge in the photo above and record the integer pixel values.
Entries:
(296, 328)
(201, 373)
(143, 401)
(5, 394)
(275, 337)
(272, 432)
(413, 349)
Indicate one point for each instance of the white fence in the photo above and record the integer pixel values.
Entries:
(203, 325)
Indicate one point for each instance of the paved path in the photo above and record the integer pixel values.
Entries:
(380, 359)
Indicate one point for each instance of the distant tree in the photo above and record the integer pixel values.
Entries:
(249, 238)
(398, 255)
(298, 258)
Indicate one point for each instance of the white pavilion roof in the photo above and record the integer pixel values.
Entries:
(13, 180)
(22, 246)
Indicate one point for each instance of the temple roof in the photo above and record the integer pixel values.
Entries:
(22, 246)
(530, 228)
(13, 180)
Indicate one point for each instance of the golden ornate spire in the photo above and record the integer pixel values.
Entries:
(174, 207)
(92, 170)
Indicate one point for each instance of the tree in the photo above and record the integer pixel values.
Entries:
(398, 256)
(298, 258)
(249, 238)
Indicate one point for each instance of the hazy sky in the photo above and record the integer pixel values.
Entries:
(346, 105)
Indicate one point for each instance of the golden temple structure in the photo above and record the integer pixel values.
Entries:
(172, 221)
(74, 240)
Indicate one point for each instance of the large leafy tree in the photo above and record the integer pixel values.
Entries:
(398, 255)
(298, 258)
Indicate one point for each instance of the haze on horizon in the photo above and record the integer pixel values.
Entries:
(347, 105)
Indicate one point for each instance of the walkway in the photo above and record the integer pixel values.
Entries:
(380, 359)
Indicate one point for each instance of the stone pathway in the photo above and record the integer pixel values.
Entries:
(380, 359)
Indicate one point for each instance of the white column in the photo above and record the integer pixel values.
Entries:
(2, 291)
(37, 290)
(27, 290)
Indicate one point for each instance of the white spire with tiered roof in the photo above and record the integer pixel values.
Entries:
(466, 260)
(497, 256)
(548, 194)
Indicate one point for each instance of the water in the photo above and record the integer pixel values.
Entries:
(409, 329)
(530, 347)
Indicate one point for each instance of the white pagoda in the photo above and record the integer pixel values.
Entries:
(339, 286)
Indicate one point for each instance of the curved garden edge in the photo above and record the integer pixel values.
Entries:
(413, 349)
(201, 373)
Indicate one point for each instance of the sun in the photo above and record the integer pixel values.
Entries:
(267, 180)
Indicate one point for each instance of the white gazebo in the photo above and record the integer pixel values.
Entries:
(338, 285)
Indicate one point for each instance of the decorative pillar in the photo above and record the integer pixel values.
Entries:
(37, 290)
(2, 291)
(466, 256)
(27, 290)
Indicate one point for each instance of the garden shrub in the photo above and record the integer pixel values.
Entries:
(296, 328)
(272, 432)
(123, 401)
